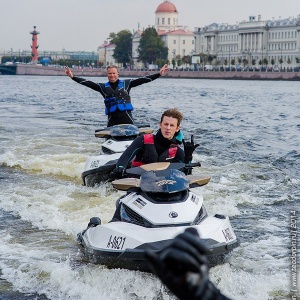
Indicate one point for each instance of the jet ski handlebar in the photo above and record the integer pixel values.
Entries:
(164, 171)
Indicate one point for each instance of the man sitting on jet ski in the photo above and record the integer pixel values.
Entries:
(182, 266)
(116, 93)
(163, 146)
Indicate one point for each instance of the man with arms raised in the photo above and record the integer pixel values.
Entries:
(115, 92)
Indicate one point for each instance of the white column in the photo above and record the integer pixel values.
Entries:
(241, 42)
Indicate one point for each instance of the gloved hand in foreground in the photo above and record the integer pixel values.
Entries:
(183, 268)
(117, 173)
(189, 148)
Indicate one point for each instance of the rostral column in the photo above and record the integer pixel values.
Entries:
(34, 46)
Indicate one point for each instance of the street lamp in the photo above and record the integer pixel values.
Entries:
(222, 58)
(262, 64)
(250, 58)
(280, 48)
(229, 60)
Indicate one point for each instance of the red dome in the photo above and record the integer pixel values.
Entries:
(166, 6)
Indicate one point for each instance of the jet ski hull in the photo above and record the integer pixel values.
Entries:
(123, 245)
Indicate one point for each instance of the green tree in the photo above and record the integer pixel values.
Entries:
(123, 51)
(178, 60)
(272, 62)
(112, 36)
(186, 60)
(281, 61)
(173, 63)
(151, 47)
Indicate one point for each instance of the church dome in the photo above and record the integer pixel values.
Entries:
(166, 7)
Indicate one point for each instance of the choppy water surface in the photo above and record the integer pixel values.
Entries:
(249, 135)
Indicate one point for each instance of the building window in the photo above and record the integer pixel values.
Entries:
(193, 42)
(157, 21)
(163, 21)
(183, 42)
(174, 42)
(169, 21)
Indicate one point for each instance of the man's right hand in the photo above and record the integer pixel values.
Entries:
(183, 267)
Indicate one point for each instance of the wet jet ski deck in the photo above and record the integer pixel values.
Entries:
(157, 207)
(117, 138)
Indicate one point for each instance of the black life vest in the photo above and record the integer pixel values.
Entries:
(117, 99)
(150, 154)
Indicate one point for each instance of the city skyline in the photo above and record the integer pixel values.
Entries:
(72, 26)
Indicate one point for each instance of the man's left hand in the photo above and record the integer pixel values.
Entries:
(189, 148)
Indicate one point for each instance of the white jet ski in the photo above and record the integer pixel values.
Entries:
(159, 204)
(117, 138)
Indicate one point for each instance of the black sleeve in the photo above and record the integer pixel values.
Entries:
(92, 85)
(142, 80)
(136, 146)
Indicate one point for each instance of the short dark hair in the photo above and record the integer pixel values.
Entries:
(173, 113)
(112, 67)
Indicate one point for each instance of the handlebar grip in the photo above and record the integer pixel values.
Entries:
(192, 165)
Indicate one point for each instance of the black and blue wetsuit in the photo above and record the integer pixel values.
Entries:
(116, 96)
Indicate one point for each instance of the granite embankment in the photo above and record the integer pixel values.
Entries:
(88, 72)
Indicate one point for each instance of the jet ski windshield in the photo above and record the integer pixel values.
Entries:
(124, 130)
(164, 181)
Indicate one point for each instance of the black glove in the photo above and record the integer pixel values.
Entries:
(183, 268)
(189, 148)
(117, 173)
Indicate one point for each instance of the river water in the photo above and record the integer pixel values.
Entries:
(249, 135)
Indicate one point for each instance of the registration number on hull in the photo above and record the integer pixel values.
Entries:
(116, 242)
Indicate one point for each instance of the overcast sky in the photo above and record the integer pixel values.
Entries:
(84, 25)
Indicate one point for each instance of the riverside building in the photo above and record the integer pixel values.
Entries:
(254, 43)
(178, 38)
